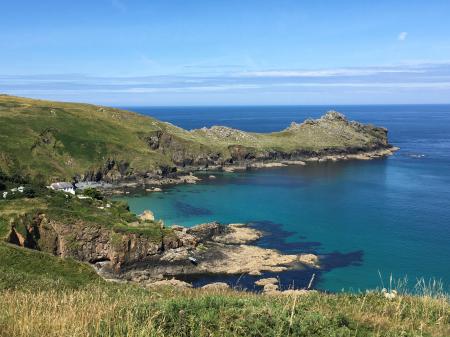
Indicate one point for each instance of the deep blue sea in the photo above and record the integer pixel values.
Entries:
(365, 218)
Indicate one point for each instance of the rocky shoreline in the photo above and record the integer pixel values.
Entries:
(187, 175)
(210, 248)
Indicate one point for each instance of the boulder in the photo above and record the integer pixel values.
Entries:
(147, 216)
(309, 259)
(265, 281)
(205, 232)
(237, 234)
(171, 283)
(270, 288)
(178, 228)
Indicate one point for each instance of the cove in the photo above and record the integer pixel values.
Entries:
(386, 216)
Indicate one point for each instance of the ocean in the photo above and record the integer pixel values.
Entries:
(368, 220)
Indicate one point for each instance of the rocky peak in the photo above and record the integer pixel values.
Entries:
(293, 126)
(329, 116)
(224, 132)
(333, 115)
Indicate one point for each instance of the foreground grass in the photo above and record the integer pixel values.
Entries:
(116, 310)
(42, 295)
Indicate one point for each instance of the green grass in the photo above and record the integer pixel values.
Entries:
(24, 268)
(56, 141)
(70, 211)
(43, 296)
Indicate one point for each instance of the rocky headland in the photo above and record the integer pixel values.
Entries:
(209, 248)
(123, 148)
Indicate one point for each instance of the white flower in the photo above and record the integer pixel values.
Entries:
(389, 295)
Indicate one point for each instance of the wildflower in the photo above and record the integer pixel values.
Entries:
(389, 294)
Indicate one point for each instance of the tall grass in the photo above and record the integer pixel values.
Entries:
(122, 310)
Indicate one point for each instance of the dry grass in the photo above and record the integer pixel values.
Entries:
(117, 310)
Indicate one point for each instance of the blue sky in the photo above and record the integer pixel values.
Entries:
(194, 52)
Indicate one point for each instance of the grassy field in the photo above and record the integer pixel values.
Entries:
(42, 295)
(54, 141)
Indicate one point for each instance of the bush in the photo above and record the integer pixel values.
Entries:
(3, 176)
(12, 196)
(28, 192)
(18, 179)
(93, 193)
(2, 186)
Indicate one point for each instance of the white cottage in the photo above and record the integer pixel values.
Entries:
(64, 187)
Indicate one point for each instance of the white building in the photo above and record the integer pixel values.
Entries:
(64, 187)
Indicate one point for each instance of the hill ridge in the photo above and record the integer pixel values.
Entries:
(54, 141)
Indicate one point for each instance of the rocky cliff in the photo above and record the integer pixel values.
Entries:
(207, 248)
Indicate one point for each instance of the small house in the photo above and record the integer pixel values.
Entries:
(63, 187)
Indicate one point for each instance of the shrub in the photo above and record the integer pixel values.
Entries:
(12, 196)
(28, 192)
(93, 193)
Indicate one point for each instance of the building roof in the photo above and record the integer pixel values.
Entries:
(61, 185)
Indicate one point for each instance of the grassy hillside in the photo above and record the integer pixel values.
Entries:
(41, 295)
(22, 268)
(52, 141)
(62, 139)
(68, 209)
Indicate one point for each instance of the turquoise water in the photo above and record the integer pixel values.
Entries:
(387, 216)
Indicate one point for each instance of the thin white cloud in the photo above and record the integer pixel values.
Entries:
(327, 72)
(192, 88)
(402, 36)
(433, 77)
